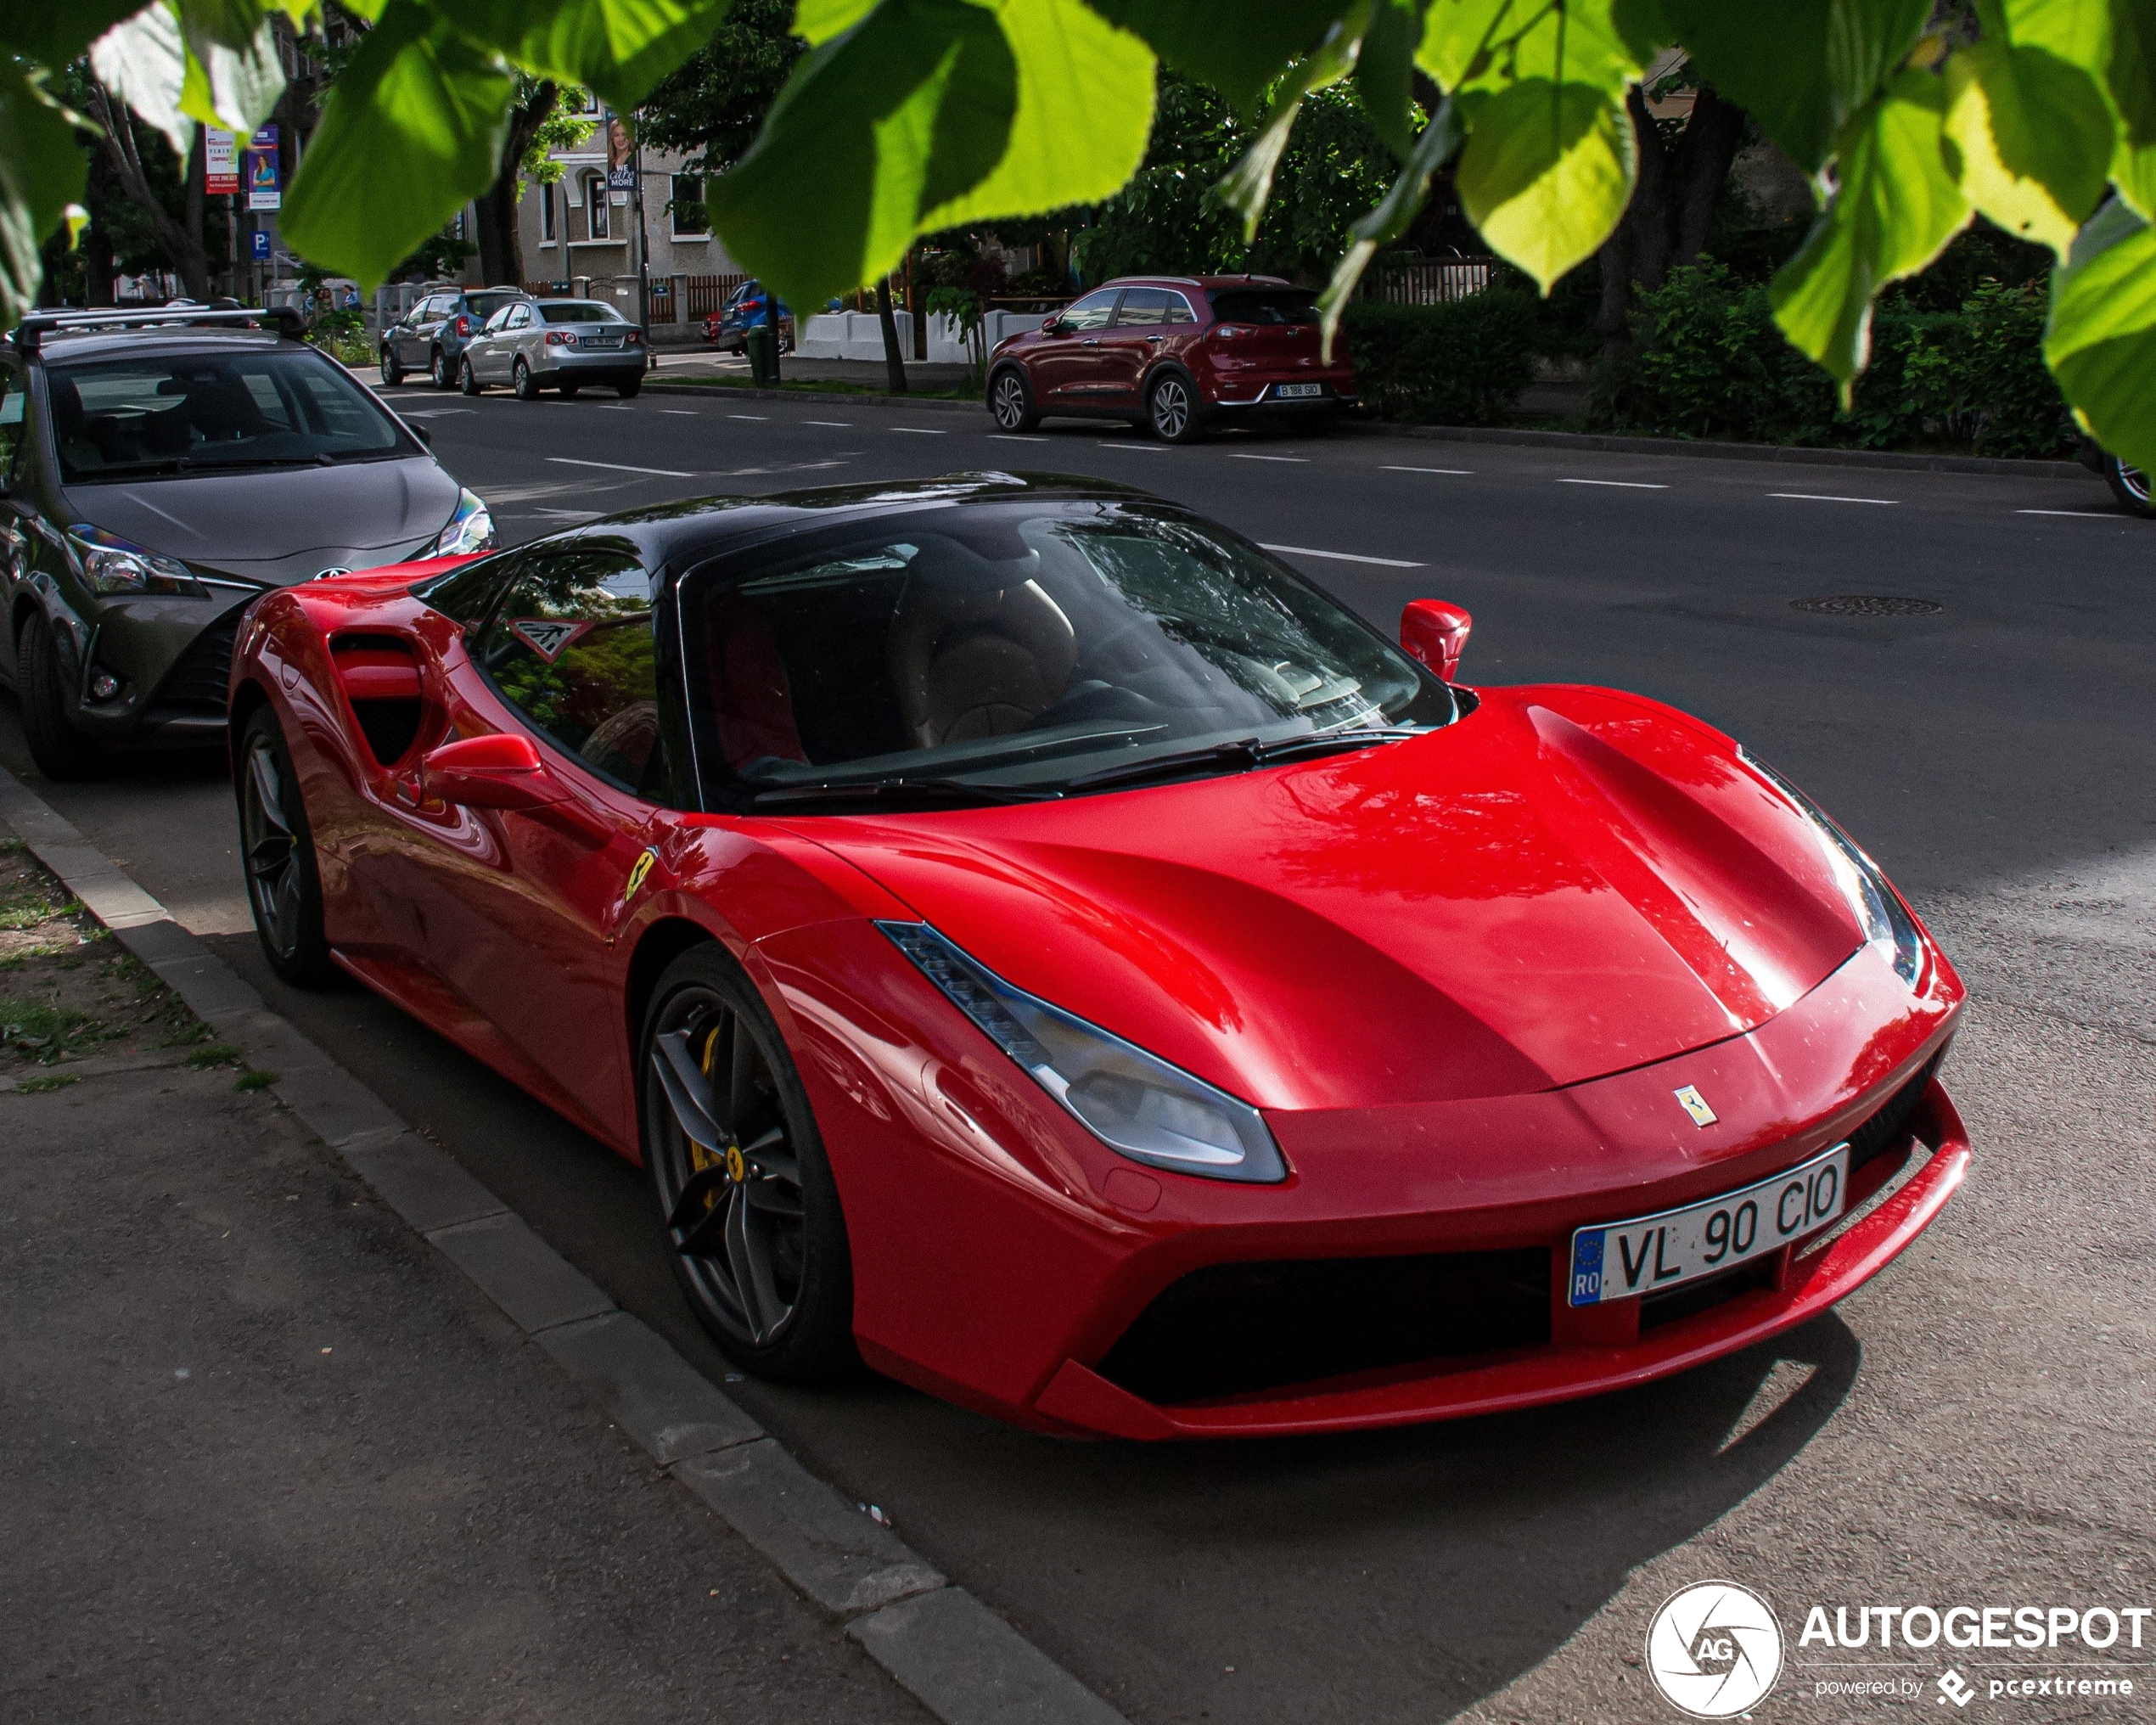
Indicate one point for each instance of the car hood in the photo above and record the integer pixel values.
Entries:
(279, 525)
(1565, 884)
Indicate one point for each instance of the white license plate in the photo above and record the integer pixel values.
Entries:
(601, 341)
(1295, 392)
(1620, 1260)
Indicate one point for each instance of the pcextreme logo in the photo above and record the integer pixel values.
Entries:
(1714, 1649)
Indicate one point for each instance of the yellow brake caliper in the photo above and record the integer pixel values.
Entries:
(702, 1156)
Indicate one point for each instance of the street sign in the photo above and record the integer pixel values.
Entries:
(264, 172)
(220, 162)
(258, 246)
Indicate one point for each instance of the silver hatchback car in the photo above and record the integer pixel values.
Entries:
(556, 344)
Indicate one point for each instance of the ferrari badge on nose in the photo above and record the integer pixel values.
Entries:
(1690, 1100)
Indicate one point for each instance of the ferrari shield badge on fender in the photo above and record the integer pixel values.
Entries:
(641, 867)
(1688, 1098)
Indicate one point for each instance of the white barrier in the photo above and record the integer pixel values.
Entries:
(860, 335)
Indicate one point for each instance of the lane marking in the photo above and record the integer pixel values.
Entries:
(1462, 471)
(1149, 448)
(1630, 484)
(434, 412)
(680, 412)
(1829, 497)
(758, 418)
(838, 425)
(1013, 437)
(918, 431)
(1342, 556)
(2079, 515)
(620, 467)
(1237, 455)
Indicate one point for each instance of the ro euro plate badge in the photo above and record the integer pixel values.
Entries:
(1623, 1260)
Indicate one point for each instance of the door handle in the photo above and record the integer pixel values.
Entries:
(1156, 338)
(1089, 341)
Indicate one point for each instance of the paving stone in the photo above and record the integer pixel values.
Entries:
(421, 1183)
(650, 1391)
(819, 1542)
(520, 1273)
(335, 1105)
(967, 1666)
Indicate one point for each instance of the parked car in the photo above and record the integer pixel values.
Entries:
(556, 345)
(728, 327)
(431, 337)
(2128, 483)
(161, 470)
(1177, 353)
(1037, 943)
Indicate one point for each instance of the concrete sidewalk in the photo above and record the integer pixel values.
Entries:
(272, 1458)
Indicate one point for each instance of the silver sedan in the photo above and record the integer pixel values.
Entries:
(556, 344)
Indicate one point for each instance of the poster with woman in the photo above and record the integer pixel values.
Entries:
(620, 154)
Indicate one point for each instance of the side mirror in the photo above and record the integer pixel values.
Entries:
(1436, 633)
(424, 435)
(500, 771)
(1051, 326)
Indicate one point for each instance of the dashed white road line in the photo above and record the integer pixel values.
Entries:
(835, 424)
(758, 418)
(1013, 437)
(680, 412)
(1463, 472)
(1829, 497)
(919, 431)
(1628, 484)
(1149, 448)
(619, 467)
(2080, 514)
(1341, 556)
(1238, 455)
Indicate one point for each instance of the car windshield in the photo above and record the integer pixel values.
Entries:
(580, 312)
(1264, 305)
(1018, 648)
(188, 412)
(486, 305)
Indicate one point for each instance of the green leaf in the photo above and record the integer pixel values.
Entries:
(229, 23)
(1895, 208)
(1247, 186)
(617, 48)
(1390, 219)
(1801, 68)
(2129, 77)
(412, 132)
(235, 88)
(2101, 340)
(1238, 47)
(2030, 138)
(1385, 73)
(1546, 173)
(53, 32)
(42, 172)
(1490, 45)
(816, 21)
(898, 116)
(143, 61)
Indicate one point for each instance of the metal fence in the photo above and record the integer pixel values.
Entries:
(701, 295)
(1427, 281)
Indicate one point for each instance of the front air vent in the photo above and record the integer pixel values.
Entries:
(381, 675)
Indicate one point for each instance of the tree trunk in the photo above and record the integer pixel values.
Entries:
(893, 363)
(1673, 201)
(183, 246)
(501, 256)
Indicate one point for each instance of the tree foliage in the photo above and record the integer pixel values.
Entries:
(905, 117)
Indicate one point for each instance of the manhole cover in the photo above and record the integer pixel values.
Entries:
(1865, 604)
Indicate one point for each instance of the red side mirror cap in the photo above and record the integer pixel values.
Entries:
(1436, 633)
(500, 771)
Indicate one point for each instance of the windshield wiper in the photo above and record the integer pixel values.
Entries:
(191, 464)
(959, 791)
(1240, 755)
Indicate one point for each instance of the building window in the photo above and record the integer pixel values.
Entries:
(595, 212)
(546, 235)
(692, 220)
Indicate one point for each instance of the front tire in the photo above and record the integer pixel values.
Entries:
(521, 379)
(569, 392)
(2129, 486)
(392, 367)
(60, 751)
(1010, 399)
(1171, 409)
(467, 380)
(443, 372)
(277, 850)
(747, 1203)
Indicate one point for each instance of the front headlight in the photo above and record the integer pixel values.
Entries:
(112, 565)
(1131, 1101)
(1887, 923)
(470, 530)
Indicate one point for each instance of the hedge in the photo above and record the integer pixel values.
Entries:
(1459, 364)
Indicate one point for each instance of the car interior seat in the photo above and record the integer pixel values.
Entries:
(968, 660)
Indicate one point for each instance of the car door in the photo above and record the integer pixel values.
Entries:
(16, 509)
(518, 906)
(426, 319)
(1066, 367)
(1129, 341)
(489, 351)
(514, 339)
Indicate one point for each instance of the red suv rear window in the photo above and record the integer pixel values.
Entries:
(1264, 305)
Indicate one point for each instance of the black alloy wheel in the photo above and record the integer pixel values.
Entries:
(467, 380)
(751, 1212)
(521, 378)
(61, 751)
(277, 848)
(1172, 410)
(1011, 400)
(2129, 486)
(443, 371)
(392, 367)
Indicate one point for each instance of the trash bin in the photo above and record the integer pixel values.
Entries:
(762, 343)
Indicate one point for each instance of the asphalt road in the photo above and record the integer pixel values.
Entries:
(1971, 1426)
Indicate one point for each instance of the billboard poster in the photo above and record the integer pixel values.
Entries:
(265, 178)
(220, 162)
(620, 154)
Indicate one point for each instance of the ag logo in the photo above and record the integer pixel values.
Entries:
(1714, 1649)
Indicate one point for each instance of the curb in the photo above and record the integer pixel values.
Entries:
(961, 1661)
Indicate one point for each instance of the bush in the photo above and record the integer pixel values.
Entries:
(1461, 364)
(1710, 362)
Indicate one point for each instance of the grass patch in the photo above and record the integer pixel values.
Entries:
(26, 904)
(215, 1054)
(37, 1025)
(47, 1081)
(254, 1079)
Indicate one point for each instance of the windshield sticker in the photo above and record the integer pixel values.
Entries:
(548, 637)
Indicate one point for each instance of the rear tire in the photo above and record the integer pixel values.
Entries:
(277, 852)
(628, 391)
(1171, 409)
(442, 371)
(521, 379)
(1010, 400)
(392, 367)
(569, 392)
(60, 751)
(2129, 486)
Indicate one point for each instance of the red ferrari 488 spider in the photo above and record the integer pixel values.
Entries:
(1041, 946)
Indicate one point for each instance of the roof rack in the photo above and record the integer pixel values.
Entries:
(31, 333)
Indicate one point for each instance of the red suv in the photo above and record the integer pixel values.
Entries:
(1174, 352)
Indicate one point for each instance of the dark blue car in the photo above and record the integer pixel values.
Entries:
(728, 327)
